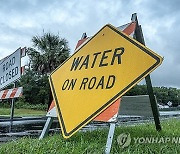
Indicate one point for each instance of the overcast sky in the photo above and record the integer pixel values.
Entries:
(160, 20)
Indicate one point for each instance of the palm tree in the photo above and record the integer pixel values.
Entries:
(48, 53)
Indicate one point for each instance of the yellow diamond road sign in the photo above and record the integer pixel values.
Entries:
(100, 72)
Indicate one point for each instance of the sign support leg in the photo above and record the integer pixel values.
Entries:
(153, 102)
(110, 138)
(155, 111)
(12, 112)
(46, 128)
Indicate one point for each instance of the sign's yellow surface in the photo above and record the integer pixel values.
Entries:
(100, 72)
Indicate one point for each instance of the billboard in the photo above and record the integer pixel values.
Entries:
(10, 68)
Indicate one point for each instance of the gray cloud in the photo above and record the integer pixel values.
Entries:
(22, 19)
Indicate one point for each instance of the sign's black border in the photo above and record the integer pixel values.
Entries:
(158, 62)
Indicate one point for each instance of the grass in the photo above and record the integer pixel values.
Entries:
(21, 112)
(20, 104)
(94, 142)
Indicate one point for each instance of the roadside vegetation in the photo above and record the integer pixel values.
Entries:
(22, 108)
(21, 112)
(94, 141)
(48, 51)
(163, 94)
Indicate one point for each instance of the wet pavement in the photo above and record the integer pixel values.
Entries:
(22, 126)
(32, 126)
